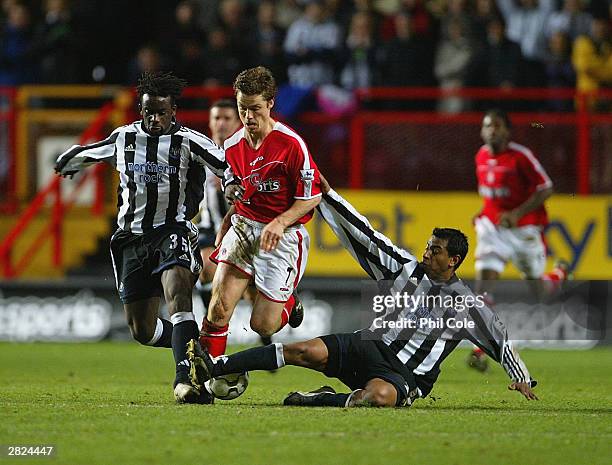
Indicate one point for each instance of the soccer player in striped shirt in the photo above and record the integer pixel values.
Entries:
(388, 364)
(154, 250)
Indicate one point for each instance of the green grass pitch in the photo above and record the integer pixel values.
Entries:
(111, 403)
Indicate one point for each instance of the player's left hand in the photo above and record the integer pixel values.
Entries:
(271, 235)
(62, 162)
(525, 389)
(509, 219)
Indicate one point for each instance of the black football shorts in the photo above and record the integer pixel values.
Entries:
(140, 259)
(355, 361)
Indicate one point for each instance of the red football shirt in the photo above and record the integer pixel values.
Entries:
(280, 171)
(508, 179)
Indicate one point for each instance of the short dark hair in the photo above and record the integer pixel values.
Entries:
(501, 114)
(225, 103)
(256, 81)
(160, 84)
(457, 242)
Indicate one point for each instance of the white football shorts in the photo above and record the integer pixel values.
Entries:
(523, 246)
(276, 273)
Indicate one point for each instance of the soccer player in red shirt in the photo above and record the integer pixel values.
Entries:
(267, 242)
(514, 187)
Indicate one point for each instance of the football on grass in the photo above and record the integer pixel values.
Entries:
(228, 387)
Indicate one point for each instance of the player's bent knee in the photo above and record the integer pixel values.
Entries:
(382, 395)
(263, 327)
(140, 334)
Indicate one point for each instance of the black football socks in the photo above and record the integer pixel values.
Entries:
(162, 337)
(257, 358)
(185, 329)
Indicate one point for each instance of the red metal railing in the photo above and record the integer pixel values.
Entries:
(581, 118)
(8, 204)
(11, 266)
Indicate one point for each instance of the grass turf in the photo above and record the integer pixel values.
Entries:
(111, 403)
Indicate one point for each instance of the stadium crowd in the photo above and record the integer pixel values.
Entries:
(347, 43)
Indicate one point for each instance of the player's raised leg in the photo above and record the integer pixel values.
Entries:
(269, 317)
(229, 283)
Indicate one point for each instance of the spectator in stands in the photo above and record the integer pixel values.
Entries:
(592, 58)
(457, 11)
(359, 55)
(55, 45)
(423, 21)
(5, 8)
(269, 37)
(207, 13)
(186, 44)
(497, 62)
(237, 24)
(287, 12)
(222, 63)
(559, 69)
(186, 26)
(526, 25)
(362, 6)
(16, 62)
(311, 47)
(571, 20)
(451, 65)
(484, 12)
(148, 59)
(406, 60)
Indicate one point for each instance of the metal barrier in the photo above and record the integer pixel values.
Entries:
(8, 203)
(12, 266)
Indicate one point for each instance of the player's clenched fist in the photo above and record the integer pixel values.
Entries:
(233, 193)
(62, 165)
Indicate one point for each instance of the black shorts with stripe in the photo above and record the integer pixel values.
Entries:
(355, 361)
(140, 259)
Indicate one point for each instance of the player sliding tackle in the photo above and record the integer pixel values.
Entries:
(387, 364)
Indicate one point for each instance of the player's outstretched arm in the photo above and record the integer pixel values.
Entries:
(80, 156)
(489, 333)
(375, 252)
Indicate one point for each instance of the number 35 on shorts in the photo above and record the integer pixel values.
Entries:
(174, 242)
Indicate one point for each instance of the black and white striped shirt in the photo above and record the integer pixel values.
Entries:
(213, 207)
(419, 349)
(161, 178)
